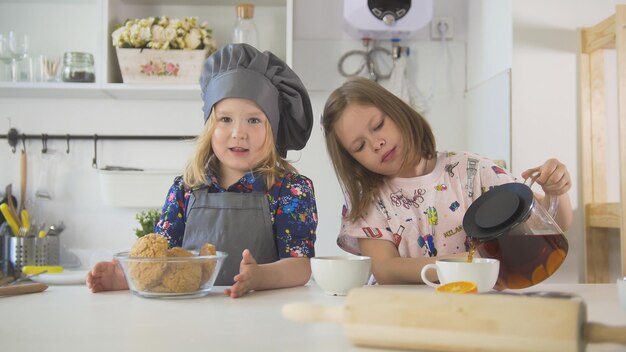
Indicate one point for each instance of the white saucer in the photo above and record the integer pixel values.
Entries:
(67, 277)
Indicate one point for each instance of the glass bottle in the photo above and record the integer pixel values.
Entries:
(245, 30)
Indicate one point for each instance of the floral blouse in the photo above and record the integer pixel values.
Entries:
(292, 209)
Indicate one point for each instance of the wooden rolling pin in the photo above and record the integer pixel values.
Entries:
(22, 289)
(414, 320)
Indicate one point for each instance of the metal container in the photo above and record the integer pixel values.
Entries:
(33, 251)
(5, 235)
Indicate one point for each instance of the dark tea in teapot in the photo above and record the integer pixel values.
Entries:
(525, 260)
(506, 223)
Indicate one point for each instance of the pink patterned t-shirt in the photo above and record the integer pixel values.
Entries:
(423, 216)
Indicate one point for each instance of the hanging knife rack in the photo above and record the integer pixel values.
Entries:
(14, 136)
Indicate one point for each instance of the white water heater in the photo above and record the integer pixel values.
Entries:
(386, 19)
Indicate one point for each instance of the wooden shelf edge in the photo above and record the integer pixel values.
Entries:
(600, 36)
(605, 215)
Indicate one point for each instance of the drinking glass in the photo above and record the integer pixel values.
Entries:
(18, 46)
(6, 58)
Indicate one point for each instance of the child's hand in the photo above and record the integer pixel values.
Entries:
(106, 276)
(554, 179)
(247, 277)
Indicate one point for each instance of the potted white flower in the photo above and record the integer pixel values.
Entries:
(163, 50)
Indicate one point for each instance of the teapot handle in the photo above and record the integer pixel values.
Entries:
(552, 201)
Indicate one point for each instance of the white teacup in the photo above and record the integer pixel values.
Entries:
(337, 275)
(481, 271)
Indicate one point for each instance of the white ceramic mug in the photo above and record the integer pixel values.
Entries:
(337, 275)
(481, 271)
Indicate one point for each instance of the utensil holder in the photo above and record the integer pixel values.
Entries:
(33, 251)
(5, 235)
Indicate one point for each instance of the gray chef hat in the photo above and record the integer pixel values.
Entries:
(241, 71)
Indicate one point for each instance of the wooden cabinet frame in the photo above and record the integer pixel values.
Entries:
(600, 215)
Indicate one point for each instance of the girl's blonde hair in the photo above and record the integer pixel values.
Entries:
(204, 161)
(360, 183)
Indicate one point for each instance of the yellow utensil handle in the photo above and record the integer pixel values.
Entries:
(36, 269)
(6, 212)
(25, 219)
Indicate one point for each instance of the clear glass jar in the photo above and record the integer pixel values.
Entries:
(245, 30)
(78, 67)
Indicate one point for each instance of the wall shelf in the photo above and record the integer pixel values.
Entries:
(152, 92)
(98, 18)
(51, 90)
(95, 91)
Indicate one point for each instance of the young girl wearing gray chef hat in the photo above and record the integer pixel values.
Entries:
(238, 192)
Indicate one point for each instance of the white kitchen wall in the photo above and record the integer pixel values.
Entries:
(488, 97)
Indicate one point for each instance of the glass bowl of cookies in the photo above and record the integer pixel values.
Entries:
(153, 270)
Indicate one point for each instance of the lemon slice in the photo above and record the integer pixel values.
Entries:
(458, 287)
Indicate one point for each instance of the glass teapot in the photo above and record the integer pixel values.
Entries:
(507, 223)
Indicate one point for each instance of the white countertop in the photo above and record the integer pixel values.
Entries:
(70, 318)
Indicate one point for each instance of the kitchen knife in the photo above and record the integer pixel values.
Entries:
(22, 289)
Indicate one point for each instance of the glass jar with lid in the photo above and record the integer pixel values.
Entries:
(78, 67)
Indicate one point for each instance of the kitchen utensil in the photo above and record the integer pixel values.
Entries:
(23, 178)
(507, 223)
(47, 175)
(25, 219)
(25, 277)
(8, 216)
(11, 204)
(409, 319)
(22, 289)
(55, 230)
(37, 269)
(3, 199)
(22, 233)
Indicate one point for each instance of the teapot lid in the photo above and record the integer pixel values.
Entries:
(498, 210)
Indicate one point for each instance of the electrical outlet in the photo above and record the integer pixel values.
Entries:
(442, 25)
